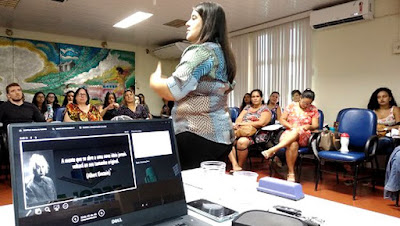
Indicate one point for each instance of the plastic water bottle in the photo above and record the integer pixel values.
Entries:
(50, 112)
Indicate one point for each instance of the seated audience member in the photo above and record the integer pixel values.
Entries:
(299, 118)
(143, 102)
(52, 105)
(385, 107)
(80, 109)
(40, 189)
(255, 114)
(392, 178)
(110, 107)
(165, 110)
(246, 101)
(130, 108)
(273, 105)
(68, 98)
(15, 110)
(39, 101)
(296, 95)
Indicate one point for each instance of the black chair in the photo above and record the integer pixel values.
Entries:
(360, 124)
(4, 156)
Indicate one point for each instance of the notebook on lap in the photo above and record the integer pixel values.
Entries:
(97, 173)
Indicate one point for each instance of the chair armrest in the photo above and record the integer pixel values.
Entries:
(313, 136)
(372, 142)
(314, 144)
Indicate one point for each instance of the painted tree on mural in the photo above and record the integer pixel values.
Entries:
(56, 67)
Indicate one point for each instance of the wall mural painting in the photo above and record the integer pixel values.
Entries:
(58, 68)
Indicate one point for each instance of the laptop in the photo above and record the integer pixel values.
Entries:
(97, 173)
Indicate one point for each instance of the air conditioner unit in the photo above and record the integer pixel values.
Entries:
(171, 51)
(343, 13)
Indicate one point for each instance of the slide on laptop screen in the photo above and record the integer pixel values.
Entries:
(100, 173)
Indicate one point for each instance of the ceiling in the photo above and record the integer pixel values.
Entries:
(94, 19)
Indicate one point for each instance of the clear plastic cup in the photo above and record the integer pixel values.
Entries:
(245, 179)
(245, 185)
(214, 172)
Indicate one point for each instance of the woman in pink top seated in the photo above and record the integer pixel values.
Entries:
(299, 118)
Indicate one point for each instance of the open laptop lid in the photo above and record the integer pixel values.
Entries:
(103, 173)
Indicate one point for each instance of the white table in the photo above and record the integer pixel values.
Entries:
(332, 213)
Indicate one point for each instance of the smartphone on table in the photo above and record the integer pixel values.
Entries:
(212, 210)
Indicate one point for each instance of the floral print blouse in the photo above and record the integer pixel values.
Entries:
(76, 114)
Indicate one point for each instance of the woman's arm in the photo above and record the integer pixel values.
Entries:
(263, 120)
(283, 121)
(396, 113)
(314, 124)
(67, 118)
(159, 84)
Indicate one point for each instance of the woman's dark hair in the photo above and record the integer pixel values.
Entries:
(106, 103)
(296, 91)
(373, 101)
(55, 103)
(309, 94)
(141, 98)
(65, 101)
(271, 95)
(259, 92)
(243, 102)
(76, 95)
(34, 102)
(214, 30)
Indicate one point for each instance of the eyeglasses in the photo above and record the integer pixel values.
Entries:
(81, 94)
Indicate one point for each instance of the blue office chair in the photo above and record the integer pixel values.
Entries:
(234, 112)
(59, 114)
(360, 124)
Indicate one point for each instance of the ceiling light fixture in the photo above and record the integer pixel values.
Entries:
(133, 19)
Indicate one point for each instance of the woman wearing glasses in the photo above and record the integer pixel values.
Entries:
(80, 109)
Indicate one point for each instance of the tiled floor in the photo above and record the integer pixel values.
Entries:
(328, 189)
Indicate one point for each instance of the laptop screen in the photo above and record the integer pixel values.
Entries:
(103, 173)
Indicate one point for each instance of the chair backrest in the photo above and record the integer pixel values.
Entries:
(321, 119)
(59, 114)
(273, 118)
(339, 115)
(234, 112)
(360, 124)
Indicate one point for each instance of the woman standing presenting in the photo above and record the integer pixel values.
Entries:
(200, 86)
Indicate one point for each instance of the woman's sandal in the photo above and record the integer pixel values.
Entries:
(268, 154)
(291, 177)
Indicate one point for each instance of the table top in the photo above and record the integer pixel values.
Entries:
(332, 213)
(234, 197)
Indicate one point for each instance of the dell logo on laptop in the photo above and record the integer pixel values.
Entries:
(116, 221)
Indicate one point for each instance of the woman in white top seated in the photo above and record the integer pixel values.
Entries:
(385, 107)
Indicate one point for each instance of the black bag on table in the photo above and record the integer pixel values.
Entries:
(265, 218)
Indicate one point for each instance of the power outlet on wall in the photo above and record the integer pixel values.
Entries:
(396, 47)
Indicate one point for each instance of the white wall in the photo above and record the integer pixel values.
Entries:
(145, 63)
(351, 61)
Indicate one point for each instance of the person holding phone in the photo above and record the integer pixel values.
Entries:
(200, 86)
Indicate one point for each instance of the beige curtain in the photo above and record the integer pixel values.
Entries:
(273, 59)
